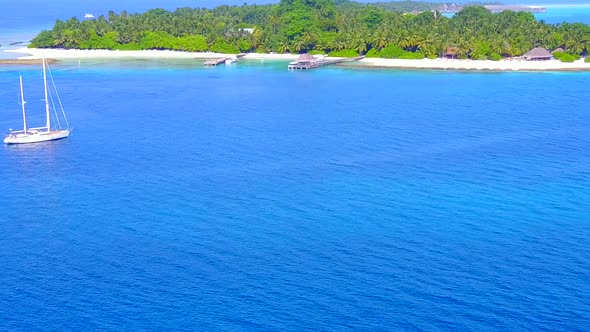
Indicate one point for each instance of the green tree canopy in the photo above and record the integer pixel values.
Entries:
(322, 26)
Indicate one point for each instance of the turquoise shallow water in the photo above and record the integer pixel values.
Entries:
(249, 197)
(560, 13)
(572, 13)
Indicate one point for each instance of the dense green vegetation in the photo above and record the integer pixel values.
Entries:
(565, 57)
(338, 27)
(407, 6)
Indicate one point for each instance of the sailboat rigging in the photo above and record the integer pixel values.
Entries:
(50, 132)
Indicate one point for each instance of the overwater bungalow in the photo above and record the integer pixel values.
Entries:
(306, 58)
(304, 61)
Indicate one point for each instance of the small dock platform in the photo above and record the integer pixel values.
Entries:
(25, 61)
(306, 61)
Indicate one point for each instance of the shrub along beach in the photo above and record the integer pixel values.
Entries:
(338, 28)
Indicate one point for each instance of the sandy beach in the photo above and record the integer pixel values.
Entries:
(440, 63)
(502, 65)
(61, 54)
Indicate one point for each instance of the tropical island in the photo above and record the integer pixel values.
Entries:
(338, 28)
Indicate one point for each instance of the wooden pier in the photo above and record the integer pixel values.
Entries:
(218, 61)
(25, 61)
(306, 61)
(215, 62)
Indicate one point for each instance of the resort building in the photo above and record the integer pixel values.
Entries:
(305, 58)
(451, 52)
(452, 8)
(247, 30)
(308, 61)
(538, 53)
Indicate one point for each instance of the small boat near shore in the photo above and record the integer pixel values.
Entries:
(49, 132)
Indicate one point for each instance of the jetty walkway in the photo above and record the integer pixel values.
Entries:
(25, 61)
(218, 61)
(306, 61)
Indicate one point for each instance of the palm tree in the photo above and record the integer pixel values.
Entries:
(274, 21)
(382, 37)
(284, 46)
(409, 41)
(299, 45)
(60, 40)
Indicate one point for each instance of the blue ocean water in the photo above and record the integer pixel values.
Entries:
(572, 13)
(560, 13)
(252, 198)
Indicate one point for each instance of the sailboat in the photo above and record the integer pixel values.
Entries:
(51, 131)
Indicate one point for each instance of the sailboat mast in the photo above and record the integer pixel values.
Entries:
(46, 98)
(22, 100)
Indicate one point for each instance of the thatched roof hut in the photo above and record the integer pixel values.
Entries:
(538, 53)
(451, 52)
(305, 58)
(559, 49)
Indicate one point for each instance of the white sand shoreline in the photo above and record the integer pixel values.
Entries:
(452, 64)
(62, 54)
(456, 64)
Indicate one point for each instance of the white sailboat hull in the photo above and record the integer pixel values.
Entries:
(36, 136)
(39, 134)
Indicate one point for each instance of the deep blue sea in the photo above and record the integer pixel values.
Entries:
(253, 198)
(248, 197)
